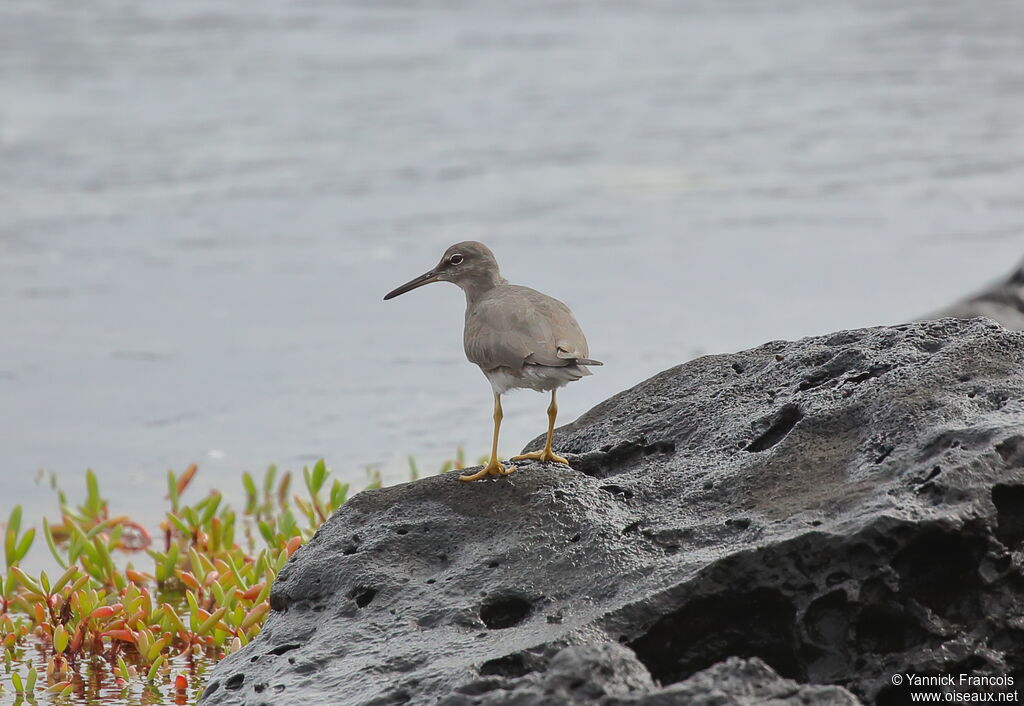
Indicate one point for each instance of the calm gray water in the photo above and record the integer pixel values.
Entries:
(202, 203)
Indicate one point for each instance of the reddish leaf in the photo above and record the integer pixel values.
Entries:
(122, 635)
(185, 478)
(105, 611)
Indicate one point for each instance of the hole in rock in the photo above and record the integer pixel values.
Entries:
(820, 377)
(575, 537)
(210, 688)
(363, 596)
(282, 649)
(308, 668)
(660, 447)
(759, 623)
(836, 577)
(618, 490)
(620, 458)
(513, 666)
(235, 682)
(1009, 502)
(1011, 450)
(885, 453)
(504, 612)
(939, 568)
(873, 372)
(403, 530)
(826, 620)
(784, 421)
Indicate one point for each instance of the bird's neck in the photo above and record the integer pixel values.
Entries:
(478, 287)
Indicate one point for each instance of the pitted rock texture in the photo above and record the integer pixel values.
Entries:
(611, 675)
(827, 512)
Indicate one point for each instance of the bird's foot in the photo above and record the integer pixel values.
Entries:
(493, 468)
(544, 455)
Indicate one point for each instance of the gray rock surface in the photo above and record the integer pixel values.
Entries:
(611, 675)
(827, 511)
(1001, 301)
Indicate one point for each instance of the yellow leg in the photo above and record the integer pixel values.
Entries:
(547, 454)
(493, 467)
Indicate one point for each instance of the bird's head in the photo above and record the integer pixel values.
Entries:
(469, 264)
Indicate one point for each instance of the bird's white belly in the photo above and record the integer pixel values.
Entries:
(542, 378)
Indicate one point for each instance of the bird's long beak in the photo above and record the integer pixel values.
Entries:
(425, 278)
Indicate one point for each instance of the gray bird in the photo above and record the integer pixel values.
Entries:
(519, 337)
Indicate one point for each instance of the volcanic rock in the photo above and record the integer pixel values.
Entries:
(792, 524)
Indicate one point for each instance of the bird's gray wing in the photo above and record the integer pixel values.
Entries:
(518, 325)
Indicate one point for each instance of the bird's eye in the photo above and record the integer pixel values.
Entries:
(455, 259)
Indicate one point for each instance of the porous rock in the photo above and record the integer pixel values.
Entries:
(609, 674)
(791, 524)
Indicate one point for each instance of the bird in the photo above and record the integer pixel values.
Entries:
(519, 337)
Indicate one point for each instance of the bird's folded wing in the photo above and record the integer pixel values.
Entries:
(514, 330)
(568, 353)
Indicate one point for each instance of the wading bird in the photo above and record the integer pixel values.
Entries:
(519, 337)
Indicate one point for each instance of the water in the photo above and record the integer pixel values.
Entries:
(203, 203)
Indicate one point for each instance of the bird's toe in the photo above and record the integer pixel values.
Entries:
(544, 456)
